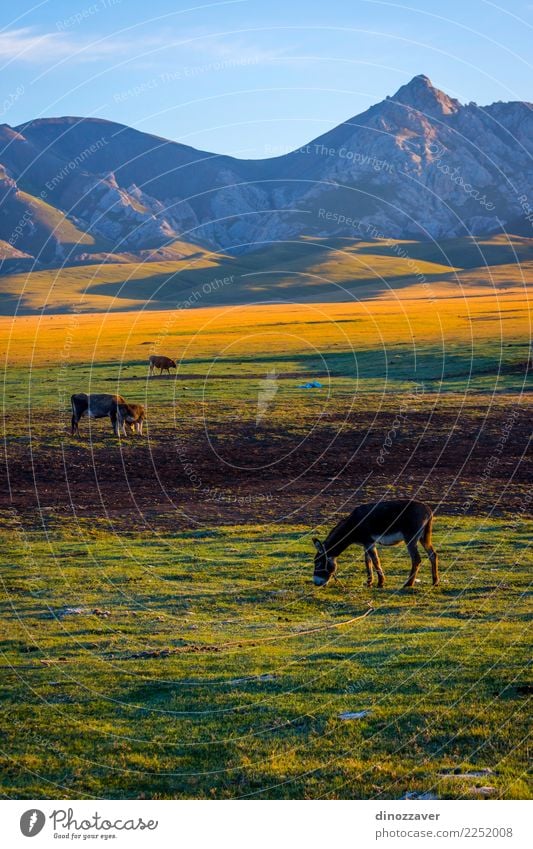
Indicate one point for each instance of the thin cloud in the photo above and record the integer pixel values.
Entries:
(31, 47)
(223, 49)
(27, 45)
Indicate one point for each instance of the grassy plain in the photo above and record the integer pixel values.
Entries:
(94, 705)
(156, 591)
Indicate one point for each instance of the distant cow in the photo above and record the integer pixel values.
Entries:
(95, 407)
(162, 363)
(131, 415)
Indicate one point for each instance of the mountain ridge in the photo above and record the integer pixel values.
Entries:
(418, 165)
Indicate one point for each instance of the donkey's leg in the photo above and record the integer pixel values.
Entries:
(431, 553)
(433, 559)
(368, 564)
(415, 562)
(377, 565)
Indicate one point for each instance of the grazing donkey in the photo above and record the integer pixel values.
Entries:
(383, 523)
(96, 406)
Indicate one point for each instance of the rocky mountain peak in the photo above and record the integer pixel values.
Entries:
(421, 94)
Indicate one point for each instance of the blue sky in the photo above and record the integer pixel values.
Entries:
(252, 78)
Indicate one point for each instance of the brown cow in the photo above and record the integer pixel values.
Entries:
(131, 415)
(162, 363)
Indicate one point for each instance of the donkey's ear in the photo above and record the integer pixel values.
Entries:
(317, 544)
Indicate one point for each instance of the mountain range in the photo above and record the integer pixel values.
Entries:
(419, 165)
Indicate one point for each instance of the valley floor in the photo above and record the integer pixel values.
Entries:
(160, 623)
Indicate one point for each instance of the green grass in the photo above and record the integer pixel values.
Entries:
(136, 693)
(488, 368)
(441, 672)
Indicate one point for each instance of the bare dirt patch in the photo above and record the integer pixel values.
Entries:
(467, 461)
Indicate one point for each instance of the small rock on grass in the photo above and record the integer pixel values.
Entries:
(253, 679)
(80, 611)
(360, 714)
(422, 797)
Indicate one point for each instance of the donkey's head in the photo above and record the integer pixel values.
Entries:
(325, 566)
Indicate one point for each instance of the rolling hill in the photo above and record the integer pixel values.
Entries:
(300, 270)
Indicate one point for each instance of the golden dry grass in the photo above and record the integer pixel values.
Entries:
(404, 317)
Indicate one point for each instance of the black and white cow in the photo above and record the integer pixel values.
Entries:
(96, 406)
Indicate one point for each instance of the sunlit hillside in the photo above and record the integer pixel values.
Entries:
(299, 271)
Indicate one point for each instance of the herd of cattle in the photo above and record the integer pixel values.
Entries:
(121, 413)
